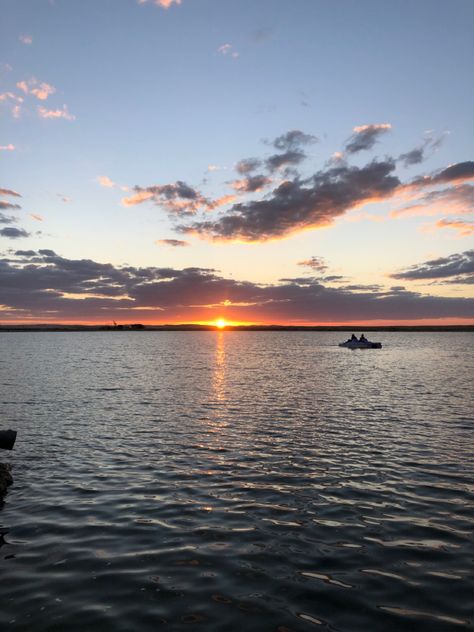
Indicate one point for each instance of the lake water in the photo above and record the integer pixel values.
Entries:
(250, 481)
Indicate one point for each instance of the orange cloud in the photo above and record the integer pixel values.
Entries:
(464, 229)
(138, 198)
(38, 218)
(56, 114)
(105, 181)
(41, 90)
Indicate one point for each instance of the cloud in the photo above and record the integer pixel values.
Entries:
(228, 51)
(452, 200)
(7, 219)
(290, 157)
(463, 228)
(164, 4)
(36, 282)
(456, 265)
(12, 101)
(9, 147)
(293, 139)
(300, 204)
(26, 39)
(8, 205)
(13, 233)
(178, 199)
(315, 263)
(251, 184)
(176, 243)
(413, 157)
(247, 165)
(40, 90)
(9, 192)
(365, 137)
(56, 114)
(105, 181)
(36, 217)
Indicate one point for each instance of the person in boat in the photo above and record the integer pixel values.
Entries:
(363, 338)
(352, 339)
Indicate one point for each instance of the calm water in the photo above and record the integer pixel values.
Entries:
(250, 481)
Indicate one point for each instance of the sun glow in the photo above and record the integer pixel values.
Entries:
(221, 323)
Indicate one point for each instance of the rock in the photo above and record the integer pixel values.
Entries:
(5, 478)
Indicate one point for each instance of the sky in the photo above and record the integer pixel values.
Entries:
(256, 161)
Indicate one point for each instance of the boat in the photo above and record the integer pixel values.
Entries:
(361, 344)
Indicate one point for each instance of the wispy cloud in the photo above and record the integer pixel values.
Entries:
(40, 89)
(8, 147)
(175, 243)
(455, 266)
(61, 113)
(105, 181)
(165, 4)
(462, 227)
(26, 39)
(364, 137)
(317, 264)
(36, 217)
(228, 51)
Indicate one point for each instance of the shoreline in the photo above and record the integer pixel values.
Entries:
(277, 328)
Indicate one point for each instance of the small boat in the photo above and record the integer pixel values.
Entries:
(361, 344)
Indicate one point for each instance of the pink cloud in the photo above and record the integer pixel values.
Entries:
(138, 198)
(36, 217)
(56, 114)
(105, 181)
(464, 229)
(454, 200)
(41, 90)
(9, 147)
(165, 4)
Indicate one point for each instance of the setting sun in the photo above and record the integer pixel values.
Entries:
(221, 323)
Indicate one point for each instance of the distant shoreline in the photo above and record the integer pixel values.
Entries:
(191, 327)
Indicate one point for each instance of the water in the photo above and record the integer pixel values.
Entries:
(255, 481)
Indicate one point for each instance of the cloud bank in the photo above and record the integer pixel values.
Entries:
(43, 285)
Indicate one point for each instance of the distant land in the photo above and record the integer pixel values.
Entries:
(193, 327)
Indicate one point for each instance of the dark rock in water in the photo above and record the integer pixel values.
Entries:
(5, 479)
(7, 439)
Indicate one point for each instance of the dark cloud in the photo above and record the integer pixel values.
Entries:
(365, 137)
(251, 184)
(291, 157)
(413, 157)
(8, 205)
(315, 263)
(247, 165)
(459, 172)
(293, 139)
(13, 233)
(455, 266)
(37, 284)
(300, 204)
(177, 243)
(177, 199)
(7, 219)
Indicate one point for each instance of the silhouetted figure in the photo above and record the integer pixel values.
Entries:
(362, 338)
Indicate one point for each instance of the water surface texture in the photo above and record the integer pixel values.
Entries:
(255, 481)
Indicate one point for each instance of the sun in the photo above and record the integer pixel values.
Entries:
(221, 323)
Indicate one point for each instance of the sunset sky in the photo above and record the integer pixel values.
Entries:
(258, 161)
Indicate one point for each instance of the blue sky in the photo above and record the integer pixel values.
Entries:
(100, 96)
